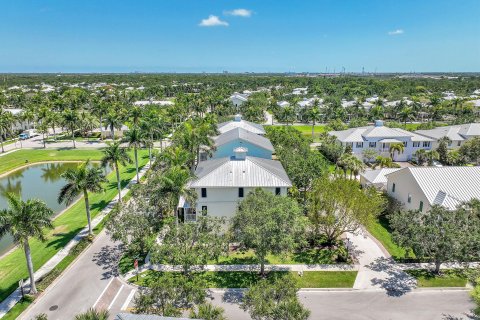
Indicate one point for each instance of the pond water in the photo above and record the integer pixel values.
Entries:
(41, 181)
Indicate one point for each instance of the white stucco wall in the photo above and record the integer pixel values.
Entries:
(405, 184)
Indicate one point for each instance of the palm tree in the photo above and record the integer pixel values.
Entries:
(115, 155)
(93, 314)
(6, 121)
(314, 115)
(432, 155)
(81, 180)
(208, 311)
(135, 114)
(23, 220)
(113, 121)
(383, 162)
(70, 119)
(396, 147)
(421, 155)
(54, 119)
(406, 114)
(174, 156)
(135, 139)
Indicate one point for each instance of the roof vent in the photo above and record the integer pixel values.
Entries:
(378, 123)
(240, 153)
(237, 118)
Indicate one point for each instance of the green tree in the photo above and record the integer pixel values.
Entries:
(275, 300)
(135, 139)
(266, 223)
(93, 314)
(24, 220)
(339, 205)
(81, 180)
(421, 156)
(43, 129)
(70, 120)
(6, 122)
(397, 147)
(369, 155)
(314, 115)
(431, 155)
(208, 311)
(442, 149)
(115, 155)
(470, 150)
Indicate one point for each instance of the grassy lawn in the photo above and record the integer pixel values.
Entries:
(13, 266)
(306, 130)
(244, 279)
(447, 278)
(24, 156)
(18, 308)
(310, 256)
(381, 231)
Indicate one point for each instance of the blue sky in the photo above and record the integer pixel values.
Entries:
(265, 36)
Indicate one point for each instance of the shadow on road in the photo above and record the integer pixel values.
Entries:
(397, 282)
(108, 258)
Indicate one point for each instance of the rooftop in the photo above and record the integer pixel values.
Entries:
(455, 133)
(245, 135)
(240, 123)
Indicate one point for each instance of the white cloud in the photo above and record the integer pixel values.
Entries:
(395, 32)
(239, 13)
(213, 21)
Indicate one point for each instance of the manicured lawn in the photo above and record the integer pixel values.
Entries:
(306, 130)
(13, 266)
(18, 308)
(381, 231)
(310, 256)
(25, 156)
(447, 278)
(240, 279)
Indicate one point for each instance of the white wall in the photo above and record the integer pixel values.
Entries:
(407, 154)
(405, 184)
(223, 202)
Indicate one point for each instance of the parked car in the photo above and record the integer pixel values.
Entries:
(27, 134)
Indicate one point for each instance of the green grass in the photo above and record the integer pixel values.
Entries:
(447, 278)
(310, 256)
(18, 308)
(306, 130)
(25, 156)
(244, 279)
(382, 232)
(13, 266)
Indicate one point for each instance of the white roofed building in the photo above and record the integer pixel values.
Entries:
(238, 99)
(380, 138)
(238, 122)
(419, 188)
(457, 134)
(376, 178)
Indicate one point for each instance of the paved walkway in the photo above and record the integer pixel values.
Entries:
(15, 297)
(377, 269)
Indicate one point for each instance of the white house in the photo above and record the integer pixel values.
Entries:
(222, 183)
(380, 138)
(376, 178)
(419, 188)
(239, 98)
(162, 103)
(238, 122)
(19, 124)
(458, 134)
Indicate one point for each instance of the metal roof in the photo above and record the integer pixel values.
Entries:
(447, 186)
(455, 133)
(364, 133)
(245, 135)
(378, 176)
(247, 125)
(250, 172)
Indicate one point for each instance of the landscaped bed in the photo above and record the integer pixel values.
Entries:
(66, 226)
(446, 278)
(244, 279)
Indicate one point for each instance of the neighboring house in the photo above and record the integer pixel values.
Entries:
(238, 122)
(19, 124)
(222, 183)
(376, 178)
(380, 138)
(419, 188)
(107, 133)
(299, 91)
(238, 99)
(256, 145)
(458, 134)
(162, 103)
(283, 104)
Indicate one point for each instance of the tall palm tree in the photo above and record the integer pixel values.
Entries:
(421, 156)
(115, 155)
(93, 314)
(6, 121)
(431, 155)
(174, 156)
(135, 139)
(396, 147)
(113, 121)
(54, 119)
(314, 115)
(135, 114)
(70, 119)
(24, 220)
(81, 180)
(383, 162)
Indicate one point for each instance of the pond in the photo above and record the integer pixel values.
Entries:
(41, 181)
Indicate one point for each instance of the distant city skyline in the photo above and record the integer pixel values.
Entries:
(240, 36)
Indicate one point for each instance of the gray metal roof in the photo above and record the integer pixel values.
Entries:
(131, 316)
(251, 172)
(378, 176)
(455, 133)
(447, 186)
(364, 133)
(247, 125)
(245, 135)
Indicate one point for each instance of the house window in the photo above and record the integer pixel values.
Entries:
(240, 192)
(204, 210)
(204, 192)
(409, 199)
(372, 144)
(420, 208)
(393, 187)
(405, 143)
(359, 145)
(459, 143)
(416, 144)
(426, 144)
(277, 191)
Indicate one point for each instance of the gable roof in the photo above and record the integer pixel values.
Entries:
(251, 172)
(446, 186)
(378, 176)
(245, 135)
(365, 133)
(247, 125)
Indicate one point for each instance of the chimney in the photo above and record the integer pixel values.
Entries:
(378, 123)
(240, 153)
(237, 118)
